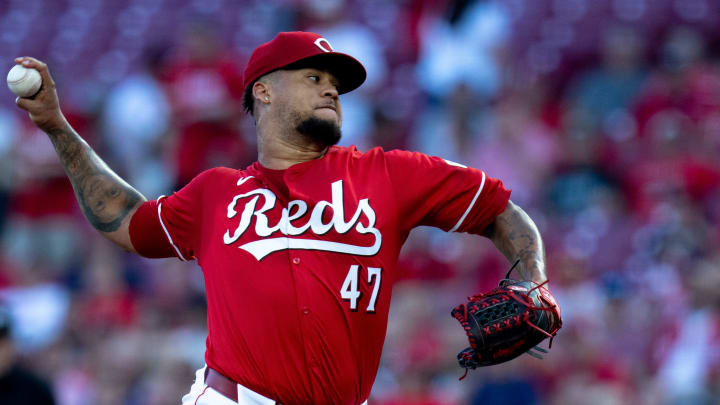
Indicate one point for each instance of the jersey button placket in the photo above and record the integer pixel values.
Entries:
(290, 176)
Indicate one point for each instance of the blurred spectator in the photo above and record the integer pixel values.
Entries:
(603, 95)
(204, 85)
(515, 144)
(135, 122)
(9, 132)
(461, 47)
(512, 388)
(39, 310)
(689, 350)
(41, 228)
(449, 129)
(17, 384)
(684, 86)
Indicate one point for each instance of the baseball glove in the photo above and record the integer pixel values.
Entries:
(506, 322)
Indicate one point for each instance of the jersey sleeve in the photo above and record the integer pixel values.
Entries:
(447, 195)
(170, 226)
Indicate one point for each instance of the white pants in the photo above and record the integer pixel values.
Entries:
(201, 394)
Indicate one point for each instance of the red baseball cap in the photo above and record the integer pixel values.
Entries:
(290, 47)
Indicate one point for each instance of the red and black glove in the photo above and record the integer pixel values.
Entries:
(506, 322)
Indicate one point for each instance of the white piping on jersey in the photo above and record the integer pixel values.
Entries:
(180, 256)
(467, 211)
(451, 163)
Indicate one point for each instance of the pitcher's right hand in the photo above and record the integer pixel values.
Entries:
(43, 107)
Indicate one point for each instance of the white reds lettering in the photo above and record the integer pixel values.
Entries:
(295, 210)
(318, 42)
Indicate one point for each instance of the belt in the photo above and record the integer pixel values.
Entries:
(225, 386)
(221, 384)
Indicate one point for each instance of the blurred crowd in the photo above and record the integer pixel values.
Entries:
(603, 117)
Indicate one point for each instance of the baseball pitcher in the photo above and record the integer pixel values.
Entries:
(299, 250)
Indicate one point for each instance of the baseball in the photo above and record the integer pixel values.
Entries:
(24, 82)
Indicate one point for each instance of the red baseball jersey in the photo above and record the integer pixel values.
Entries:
(299, 264)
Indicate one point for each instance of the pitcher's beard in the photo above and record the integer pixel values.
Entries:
(325, 132)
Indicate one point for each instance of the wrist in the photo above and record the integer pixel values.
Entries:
(54, 125)
(529, 270)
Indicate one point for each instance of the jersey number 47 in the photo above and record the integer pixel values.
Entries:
(349, 290)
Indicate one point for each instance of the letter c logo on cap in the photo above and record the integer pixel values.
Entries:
(318, 42)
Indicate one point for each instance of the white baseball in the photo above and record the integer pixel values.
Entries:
(24, 82)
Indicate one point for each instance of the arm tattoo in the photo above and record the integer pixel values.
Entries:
(517, 237)
(104, 197)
